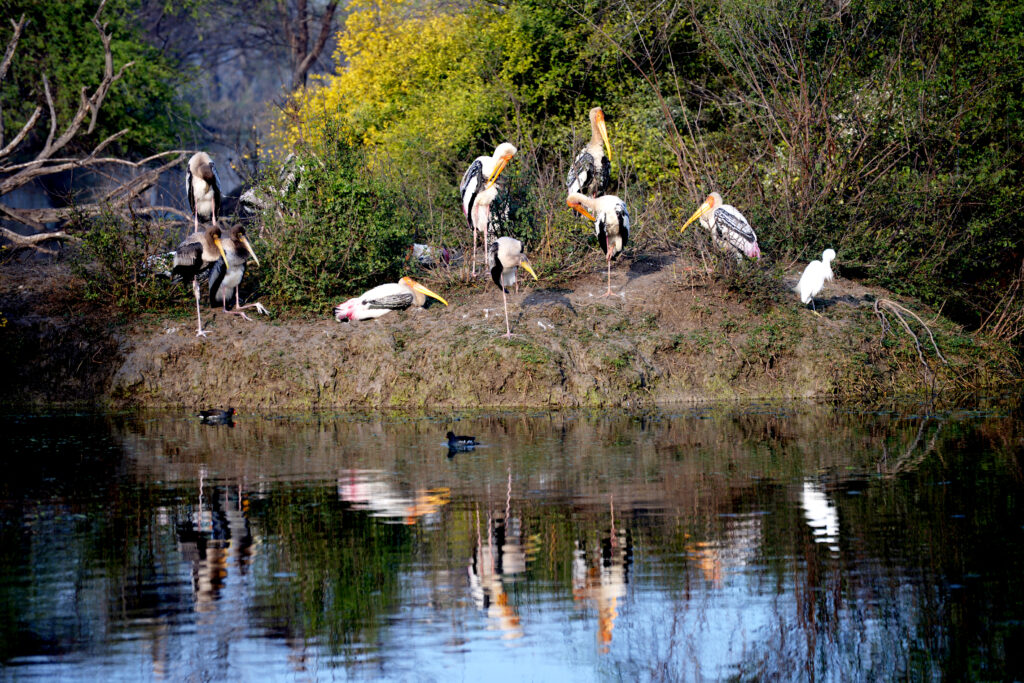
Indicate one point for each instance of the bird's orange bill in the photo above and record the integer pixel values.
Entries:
(526, 265)
(603, 130)
(248, 247)
(423, 290)
(502, 163)
(704, 208)
(220, 248)
(579, 207)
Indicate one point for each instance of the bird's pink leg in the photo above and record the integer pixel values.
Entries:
(472, 271)
(504, 300)
(195, 215)
(199, 318)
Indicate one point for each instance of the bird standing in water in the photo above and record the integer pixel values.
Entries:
(814, 277)
(611, 223)
(503, 256)
(202, 184)
(592, 169)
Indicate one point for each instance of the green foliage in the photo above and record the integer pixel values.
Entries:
(339, 232)
(112, 261)
(60, 41)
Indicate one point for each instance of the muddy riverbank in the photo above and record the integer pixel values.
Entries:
(673, 334)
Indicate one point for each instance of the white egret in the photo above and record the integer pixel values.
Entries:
(814, 277)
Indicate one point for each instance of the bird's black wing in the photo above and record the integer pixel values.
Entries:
(494, 262)
(602, 233)
(604, 176)
(188, 189)
(392, 302)
(473, 182)
(188, 260)
(217, 273)
(581, 173)
(734, 230)
(623, 214)
(216, 189)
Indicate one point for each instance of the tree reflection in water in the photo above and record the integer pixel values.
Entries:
(749, 542)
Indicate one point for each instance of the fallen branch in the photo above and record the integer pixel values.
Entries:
(897, 310)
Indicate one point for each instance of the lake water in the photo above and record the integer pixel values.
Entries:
(791, 541)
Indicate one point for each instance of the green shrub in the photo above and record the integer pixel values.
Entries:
(113, 260)
(338, 232)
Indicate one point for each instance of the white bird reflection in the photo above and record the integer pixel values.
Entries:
(601, 578)
(370, 490)
(821, 515)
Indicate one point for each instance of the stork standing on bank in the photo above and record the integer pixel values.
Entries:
(728, 227)
(814, 277)
(504, 254)
(197, 253)
(611, 224)
(592, 168)
(203, 187)
(394, 296)
(478, 190)
(226, 275)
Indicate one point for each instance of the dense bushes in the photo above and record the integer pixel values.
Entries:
(890, 131)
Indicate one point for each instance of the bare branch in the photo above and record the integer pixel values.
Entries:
(34, 241)
(21, 135)
(11, 46)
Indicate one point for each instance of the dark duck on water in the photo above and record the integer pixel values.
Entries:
(216, 416)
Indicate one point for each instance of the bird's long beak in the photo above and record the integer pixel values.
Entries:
(603, 130)
(502, 163)
(423, 290)
(248, 247)
(220, 248)
(579, 207)
(526, 266)
(704, 208)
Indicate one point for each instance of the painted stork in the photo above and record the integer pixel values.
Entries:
(728, 228)
(611, 224)
(196, 254)
(225, 276)
(504, 254)
(814, 277)
(592, 169)
(394, 296)
(202, 184)
(478, 190)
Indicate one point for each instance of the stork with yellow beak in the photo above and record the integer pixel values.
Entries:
(394, 296)
(226, 275)
(197, 253)
(611, 224)
(504, 254)
(478, 189)
(729, 229)
(592, 169)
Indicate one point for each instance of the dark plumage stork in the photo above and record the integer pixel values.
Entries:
(504, 254)
(226, 275)
(478, 190)
(196, 254)
(728, 227)
(394, 296)
(611, 223)
(592, 169)
(203, 187)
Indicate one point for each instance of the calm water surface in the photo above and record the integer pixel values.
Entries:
(749, 542)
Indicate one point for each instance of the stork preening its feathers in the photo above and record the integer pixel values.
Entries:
(814, 277)
(202, 184)
(478, 190)
(503, 256)
(729, 229)
(197, 253)
(394, 296)
(611, 224)
(226, 275)
(592, 168)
